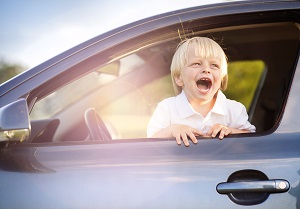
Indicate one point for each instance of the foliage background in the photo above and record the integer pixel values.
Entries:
(9, 70)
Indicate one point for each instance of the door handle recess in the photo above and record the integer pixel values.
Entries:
(251, 187)
(267, 186)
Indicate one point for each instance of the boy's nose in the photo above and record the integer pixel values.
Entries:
(206, 70)
(205, 67)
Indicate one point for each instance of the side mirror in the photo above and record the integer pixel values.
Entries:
(14, 122)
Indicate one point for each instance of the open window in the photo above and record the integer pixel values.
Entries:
(126, 91)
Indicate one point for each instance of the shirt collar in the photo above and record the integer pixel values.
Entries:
(220, 106)
(183, 106)
(185, 109)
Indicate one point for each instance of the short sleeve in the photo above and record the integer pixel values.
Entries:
(160, 119)
(242, 121)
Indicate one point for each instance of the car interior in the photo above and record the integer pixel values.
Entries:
(122, 94)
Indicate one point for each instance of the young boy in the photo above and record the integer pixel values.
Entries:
(199, 73)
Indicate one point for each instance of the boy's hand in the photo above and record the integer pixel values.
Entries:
(182, 132)
(224, 131)
(219, 129)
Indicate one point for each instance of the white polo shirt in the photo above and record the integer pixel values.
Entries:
(177, 110)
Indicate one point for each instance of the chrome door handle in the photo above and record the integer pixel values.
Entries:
(268, 186)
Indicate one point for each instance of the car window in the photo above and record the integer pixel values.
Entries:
(74, 91)
(126, 91)
(58, 100)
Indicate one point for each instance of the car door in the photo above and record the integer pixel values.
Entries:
(61, 167)
(155, 174)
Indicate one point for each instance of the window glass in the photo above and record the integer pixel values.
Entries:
(72, 92)
(245, 79)
(129, 115)
(65, 96)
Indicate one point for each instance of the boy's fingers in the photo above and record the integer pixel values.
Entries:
(185, 139)
(178, 139)
(225, 131)
(200, 133)
(228, 131)
(215, 132)
(222, 133)
(209, 132)
(193, 138)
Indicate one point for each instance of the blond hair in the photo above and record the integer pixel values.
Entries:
(204, 47)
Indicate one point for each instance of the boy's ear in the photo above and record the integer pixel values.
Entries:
(224, 83)
(178, 81)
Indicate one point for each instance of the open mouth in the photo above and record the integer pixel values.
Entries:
(204, 84)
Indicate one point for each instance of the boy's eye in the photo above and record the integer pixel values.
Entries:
(215, 66)
(196, 64)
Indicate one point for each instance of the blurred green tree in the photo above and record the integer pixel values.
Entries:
(243, 80)
(9, 70)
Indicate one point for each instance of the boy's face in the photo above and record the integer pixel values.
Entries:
(200, 78)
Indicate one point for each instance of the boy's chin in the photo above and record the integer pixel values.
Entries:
(208, 95)
(208, 92)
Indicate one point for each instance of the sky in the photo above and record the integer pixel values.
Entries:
(33, 31)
